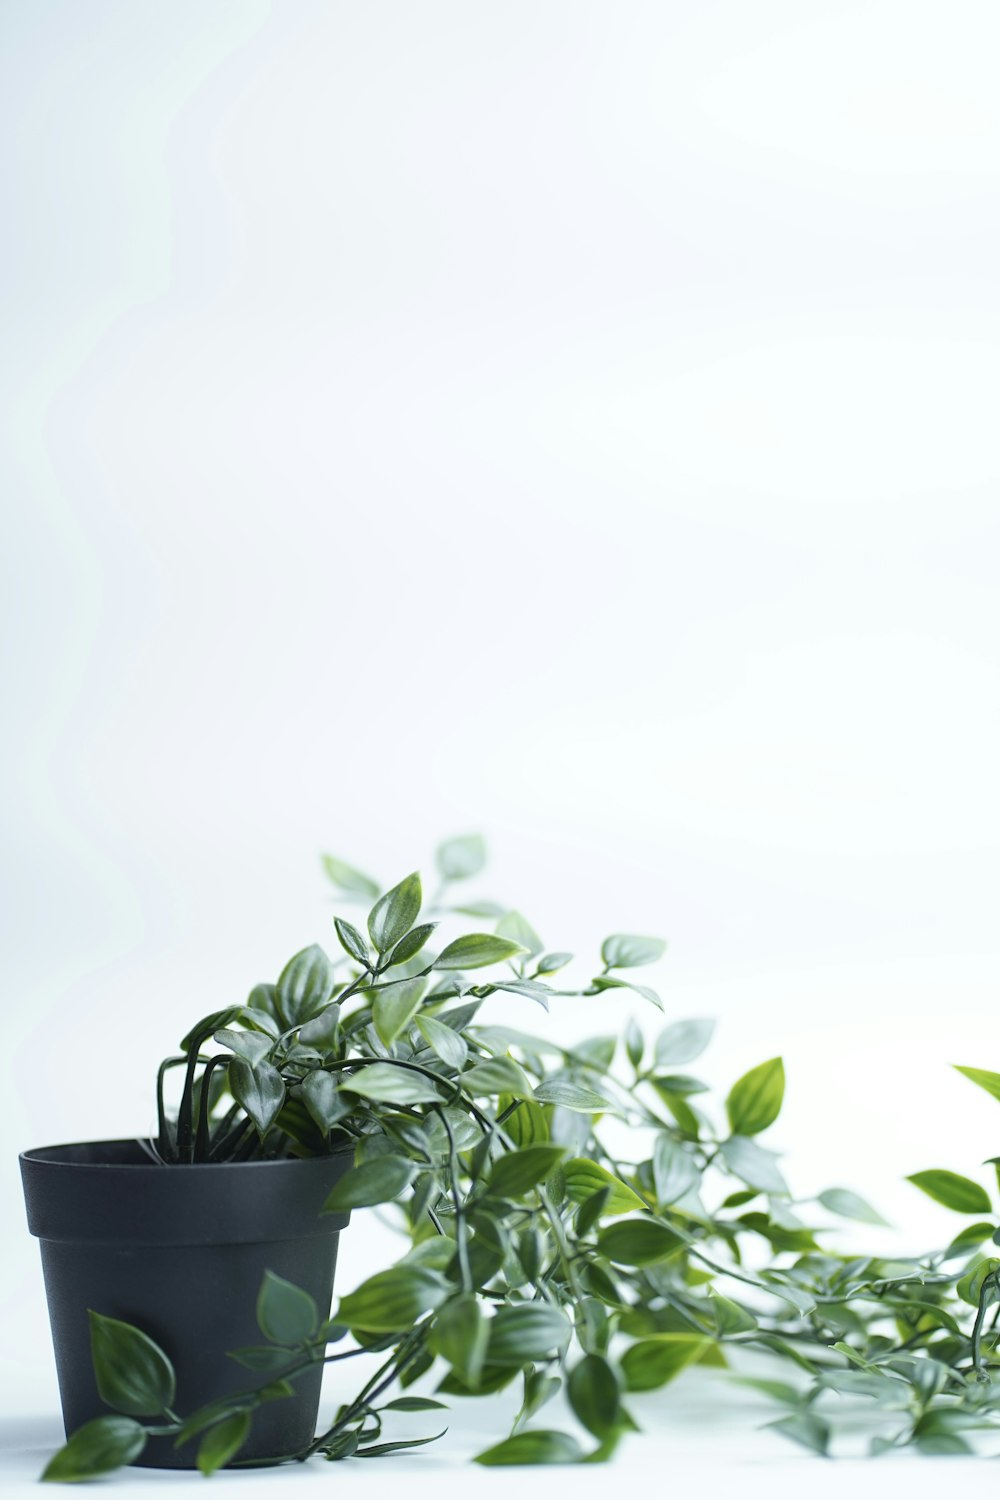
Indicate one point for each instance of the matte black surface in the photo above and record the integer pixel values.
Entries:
(180, 1251)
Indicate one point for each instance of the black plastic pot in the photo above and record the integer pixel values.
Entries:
(181, 1251)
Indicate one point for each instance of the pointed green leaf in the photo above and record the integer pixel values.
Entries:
(653, 1363)
(527, 1331)
(222, 1442)
(352, 942)
(133, 1374)
(391, 1085)
(393, 1299)
(850, 1206)
(583, 1178)
(498, 1075)
(754, 1164)
(626, 951)
(346, 878)
(323, 1099)
(539, 1447)
(754, 1101)
(675, 1171)
(410, 945)
(519, 1171)
(305, 985)
(376, 1181)
(638, 1242)
(477, 950)
(285, 1313)
(394, 1007)
(595, 1395)
(461, 1336)
(955, 1192)
(394, 914)
(682, 1042)
(444, 1040)
(98, 1447)
(259, 1090)
(988, 1081)
(515, 927)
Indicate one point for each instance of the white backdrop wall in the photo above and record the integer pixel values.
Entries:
(575, 421)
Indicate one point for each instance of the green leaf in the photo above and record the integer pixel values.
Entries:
(394, 1007)
(133, 1374)
(850, 1206)
(409, 946)
(655, 1362)
(968, 1239)
(635, 1043)
(352, 942)
(498, 1075)
(551, 963)
(638, 1242)
(679, 1085)
(376, 1450)
(322, 1031)
(541, 1447)
(571, 1096)
(222, 1442)
(391, 1085)
(806, 1428)
(461, 1335)
(595, 1395)
(445, 1041)
(259, 1090)
(250, 1045)
(393, 1299)
(730, 1317)
(675, 1171)
(682, 1042)
(394, 914)
(532, 989)
(460, 858)
(376, 1181)
(754, 1101)
(583, 1178)
(519, 1171)
(476, 950)
(754, 1164)
(608, 982)
(346, 878)
(415, 1403)
(515, 927)
(98, 1447)
(263, 1357)
(323, 1099)
(626, 951)
(305, 985)
(958, 1193)
(526, 1331)
(285, 1313)
(988, 1081)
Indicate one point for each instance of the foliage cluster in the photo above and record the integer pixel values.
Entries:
(579, 1219)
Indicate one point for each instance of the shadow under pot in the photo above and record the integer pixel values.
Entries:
(181, 1252)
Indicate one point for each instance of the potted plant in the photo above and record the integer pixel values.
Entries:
(577, 1221)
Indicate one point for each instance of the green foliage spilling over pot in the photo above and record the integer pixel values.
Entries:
(580, 1221)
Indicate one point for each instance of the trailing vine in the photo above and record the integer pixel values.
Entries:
(578, 1219)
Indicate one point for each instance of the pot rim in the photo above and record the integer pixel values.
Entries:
(53, 1156)
(126, 1199)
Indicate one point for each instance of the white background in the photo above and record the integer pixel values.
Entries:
(572, 421)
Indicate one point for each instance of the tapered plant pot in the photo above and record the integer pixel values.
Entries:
(180, 1251)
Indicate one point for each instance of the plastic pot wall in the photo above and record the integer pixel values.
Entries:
(181, 1252)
